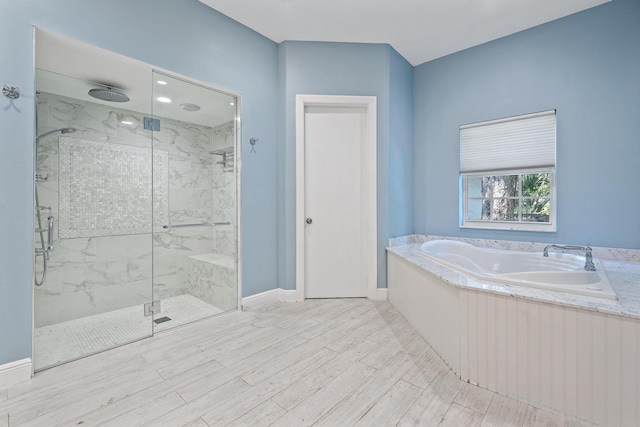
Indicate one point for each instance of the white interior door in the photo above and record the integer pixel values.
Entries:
(335, 201)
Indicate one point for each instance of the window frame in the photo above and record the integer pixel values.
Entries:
(510, 225)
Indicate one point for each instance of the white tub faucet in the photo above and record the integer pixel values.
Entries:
(588, 255)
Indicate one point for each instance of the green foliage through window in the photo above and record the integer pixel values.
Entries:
(521, 197)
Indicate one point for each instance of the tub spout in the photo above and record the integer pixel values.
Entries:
(588, 255)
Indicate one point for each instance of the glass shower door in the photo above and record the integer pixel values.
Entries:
(195, 238)
(93, 234)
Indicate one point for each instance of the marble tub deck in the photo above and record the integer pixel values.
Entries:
(622, 267)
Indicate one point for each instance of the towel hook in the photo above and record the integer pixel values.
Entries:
(12, 92)
(253, 141)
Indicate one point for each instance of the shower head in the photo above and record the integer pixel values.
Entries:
(108, 94)
(61, 130)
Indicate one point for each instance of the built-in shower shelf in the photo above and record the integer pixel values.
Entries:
(222, 151)
(228, 157)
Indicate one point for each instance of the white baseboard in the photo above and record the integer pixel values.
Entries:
(379, 295)
(279, 294)
(287, 295)
(15, 372)
(261, 298)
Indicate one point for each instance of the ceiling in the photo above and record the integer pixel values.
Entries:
(420, 30)
(71, 68)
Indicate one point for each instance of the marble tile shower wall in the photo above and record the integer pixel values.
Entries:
(224, 193)
(95, 274)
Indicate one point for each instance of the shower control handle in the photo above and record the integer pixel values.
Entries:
(309, 221)
(51, 220)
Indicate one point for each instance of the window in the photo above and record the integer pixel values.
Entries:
(507, 170)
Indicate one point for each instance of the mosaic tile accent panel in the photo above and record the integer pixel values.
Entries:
(105, 188)
(160, 189)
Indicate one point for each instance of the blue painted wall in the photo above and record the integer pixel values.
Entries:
(400, 154)
(587, 66)
(186, 37)
(359, 70)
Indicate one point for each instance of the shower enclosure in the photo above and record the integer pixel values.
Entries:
(136, 209)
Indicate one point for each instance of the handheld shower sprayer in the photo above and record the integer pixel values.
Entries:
(45, 248)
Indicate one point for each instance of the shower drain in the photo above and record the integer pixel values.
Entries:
(162, 320)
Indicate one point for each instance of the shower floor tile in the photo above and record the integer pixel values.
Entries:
(62, 342)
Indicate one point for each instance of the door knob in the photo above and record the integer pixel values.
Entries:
(309, 221)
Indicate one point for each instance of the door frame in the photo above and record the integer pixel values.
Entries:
(369, 188)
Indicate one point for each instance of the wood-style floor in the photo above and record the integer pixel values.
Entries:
(322, 363)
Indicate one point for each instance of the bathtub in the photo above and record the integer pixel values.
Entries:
(559, 272)
(561, 352)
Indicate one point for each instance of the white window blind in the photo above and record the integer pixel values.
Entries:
(519, 142)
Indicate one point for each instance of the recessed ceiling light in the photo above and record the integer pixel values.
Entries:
(161, 82)
(126, 122)
(189, 107)
(163, 99)
(232, 104)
